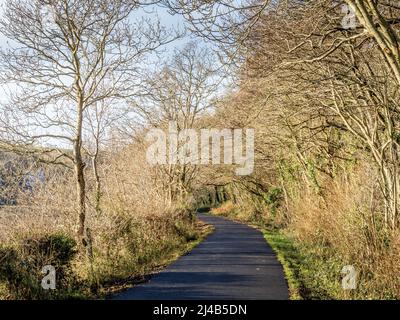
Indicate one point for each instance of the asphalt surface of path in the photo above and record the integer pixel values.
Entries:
(234, 262)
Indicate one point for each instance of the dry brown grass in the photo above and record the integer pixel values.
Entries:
(343, 226)
(134, 233)
(223, 210)
(347, 223)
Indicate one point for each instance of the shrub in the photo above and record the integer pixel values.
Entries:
(21, 266)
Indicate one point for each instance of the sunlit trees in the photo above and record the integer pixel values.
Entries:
(64, 57)
(179, 93)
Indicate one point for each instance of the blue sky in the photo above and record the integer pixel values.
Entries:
(2, 39)
(166, 19)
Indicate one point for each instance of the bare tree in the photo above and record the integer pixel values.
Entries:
(180, 92)
(224, 21)
(380, 20)
(360, 66)
(100, 121)
(64, 57)
(330, 76)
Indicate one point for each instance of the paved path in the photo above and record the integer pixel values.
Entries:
(234, 262)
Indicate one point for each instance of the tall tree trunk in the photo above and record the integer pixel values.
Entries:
(80, 189)
(80, 175)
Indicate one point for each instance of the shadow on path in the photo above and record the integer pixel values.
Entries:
(234, 262)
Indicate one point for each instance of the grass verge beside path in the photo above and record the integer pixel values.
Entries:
(118, 286)
(311, 273)
(289, 257)
(121, 259)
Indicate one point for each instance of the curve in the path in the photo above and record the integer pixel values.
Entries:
(234, 262)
